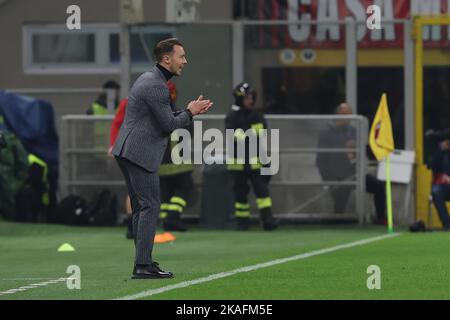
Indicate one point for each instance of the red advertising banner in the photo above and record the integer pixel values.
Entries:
(323, 35)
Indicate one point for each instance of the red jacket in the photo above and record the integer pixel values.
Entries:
(117, 122)
(120, 113)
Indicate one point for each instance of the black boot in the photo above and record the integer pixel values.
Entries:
(173, 223)
(242, 224)
(268, 221)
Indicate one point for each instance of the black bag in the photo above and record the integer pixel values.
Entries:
(73, 211)
(102, 208)
(418, 226)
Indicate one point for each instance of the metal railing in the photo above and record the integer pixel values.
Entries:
(298, 191)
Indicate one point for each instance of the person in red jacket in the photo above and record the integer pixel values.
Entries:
(114, 131)
(117, 122)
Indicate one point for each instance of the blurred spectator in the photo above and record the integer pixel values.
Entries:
(101, 127)
(340, 166)
(33, 200)
(440, 189)
(100, 106)
(13, 171)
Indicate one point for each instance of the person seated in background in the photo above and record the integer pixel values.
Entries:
(440, 190)
(340, 166)
(100, 106)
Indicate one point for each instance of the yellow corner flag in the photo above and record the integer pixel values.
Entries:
(381, 139)
(381, 142)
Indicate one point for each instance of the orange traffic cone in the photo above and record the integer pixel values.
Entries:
(164, 237)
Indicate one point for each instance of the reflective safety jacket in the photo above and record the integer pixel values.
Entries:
(167, 167)
(244, 122)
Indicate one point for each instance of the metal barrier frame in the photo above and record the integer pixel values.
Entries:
(66, 140)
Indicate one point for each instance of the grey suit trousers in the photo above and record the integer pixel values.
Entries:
(143, 188)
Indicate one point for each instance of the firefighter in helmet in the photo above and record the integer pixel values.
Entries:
(246, 121)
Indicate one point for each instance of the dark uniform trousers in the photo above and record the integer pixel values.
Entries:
(175, 190)
(143, 188)
(241, 188)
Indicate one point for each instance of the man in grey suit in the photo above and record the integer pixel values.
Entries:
(140, 146)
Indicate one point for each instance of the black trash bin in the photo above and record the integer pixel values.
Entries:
(217, 197)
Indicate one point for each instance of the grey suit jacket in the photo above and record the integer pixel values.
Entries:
(148, 122)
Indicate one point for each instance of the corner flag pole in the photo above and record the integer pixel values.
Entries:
(389, 194)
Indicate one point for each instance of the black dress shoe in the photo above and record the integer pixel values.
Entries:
(152, 271)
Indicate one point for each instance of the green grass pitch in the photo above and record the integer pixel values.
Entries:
(413, 266)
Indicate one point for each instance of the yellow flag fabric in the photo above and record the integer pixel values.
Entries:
(381, 139)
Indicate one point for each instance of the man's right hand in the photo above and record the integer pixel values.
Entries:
(199, 106)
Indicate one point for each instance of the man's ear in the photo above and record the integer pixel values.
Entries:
(166, 58)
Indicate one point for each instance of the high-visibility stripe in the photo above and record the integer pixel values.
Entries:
(256, 166)
(99, 110)
(255, 163)
(163, 208)
(242, 214)
(232, 164)
(163, 215)
(175, 207)
(178, 200)
(34, 159)
(264, 202)
(254, 160)
(239, 134)
(235, 167)
(100, 128)
(257, 127)
(46, 198)
(167, 169)
(240, 167)
(240, 205)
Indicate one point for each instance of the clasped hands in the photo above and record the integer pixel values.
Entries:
(199, 106)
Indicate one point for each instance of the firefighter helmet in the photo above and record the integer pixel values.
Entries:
(243, 89)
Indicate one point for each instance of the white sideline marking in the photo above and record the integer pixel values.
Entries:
(27, 279)
(31, 286)
(220, 275)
